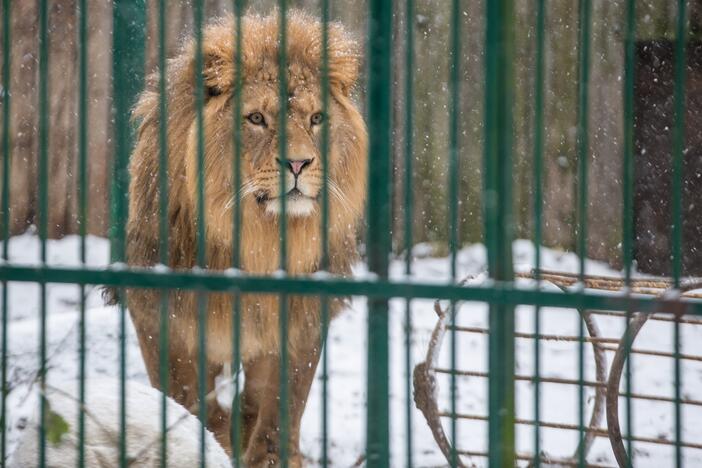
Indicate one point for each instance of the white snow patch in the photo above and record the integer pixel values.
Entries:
(143, 408)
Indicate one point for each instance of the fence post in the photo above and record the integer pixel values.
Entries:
(499, 86)
(378, 240)
(128, 39)
(128, 36)
(5, 96)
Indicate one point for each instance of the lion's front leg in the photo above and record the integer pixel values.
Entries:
(263, 436)
(257, 373)
(183, 387)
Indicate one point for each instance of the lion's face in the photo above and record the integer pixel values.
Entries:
(302, 167)
(262, 167)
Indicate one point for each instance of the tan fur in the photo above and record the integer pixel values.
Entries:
(260, 185)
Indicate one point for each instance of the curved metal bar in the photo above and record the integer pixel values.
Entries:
(600, 375)
(615, 377)
(600, 393)
(425, 386)
(606, 393)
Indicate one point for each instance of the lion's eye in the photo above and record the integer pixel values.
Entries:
(213, 91)
(256, 118)
(317, 118)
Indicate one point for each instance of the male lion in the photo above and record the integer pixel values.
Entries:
(259, 196)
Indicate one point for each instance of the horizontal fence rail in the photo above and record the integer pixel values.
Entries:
(502, 293)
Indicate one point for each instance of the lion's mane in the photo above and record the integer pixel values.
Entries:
(259, 252)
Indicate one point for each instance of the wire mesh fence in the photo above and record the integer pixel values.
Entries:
(242, 171)
(604, 364)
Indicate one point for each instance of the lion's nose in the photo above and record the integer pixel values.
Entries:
(296, 165)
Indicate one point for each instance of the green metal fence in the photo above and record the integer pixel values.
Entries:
(502, 294)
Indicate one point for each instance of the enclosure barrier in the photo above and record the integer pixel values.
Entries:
(501, 293)
(606, 384)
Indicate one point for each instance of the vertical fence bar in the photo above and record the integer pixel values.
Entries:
(163, 191)
(5, 206)
(584, 13)
(628, 202)
(282, 124)
(283, 298)
(43, 181)
(201, 296)
(128, 76)
(5, 201)
(499, 91)
(678, 394)
(408, 202)
(128, 79)
(538, 212)
(678, 155)
(82, 208)
(679, 137)
(453, 174)
(454, 84)
(235, 427)
(378, 237)
(123, 383)
(324, 235)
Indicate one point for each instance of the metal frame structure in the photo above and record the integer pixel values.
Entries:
(607, 383)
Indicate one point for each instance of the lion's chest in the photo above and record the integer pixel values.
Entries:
(262, 250)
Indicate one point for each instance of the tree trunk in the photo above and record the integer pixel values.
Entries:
(23, 115)
(63, 120)
(654, 130)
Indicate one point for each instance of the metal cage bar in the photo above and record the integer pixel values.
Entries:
(324, 235)
(82, 11)
(378, 238)
(201, 298)
(453, 192)
(627, 205)
(5, 206)
(499, 293)
(128, 39)
(497, 200)
(283, 318)
(43, 199)
(163, 185)
(408, 214)
(538, 211)
(680, 63)
(583, 150)
(235, 426)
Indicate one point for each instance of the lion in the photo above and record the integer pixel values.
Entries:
(260, 200)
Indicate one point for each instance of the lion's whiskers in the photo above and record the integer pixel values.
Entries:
(336, 191)
(246, 189)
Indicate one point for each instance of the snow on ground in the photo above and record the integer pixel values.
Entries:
(347, 362)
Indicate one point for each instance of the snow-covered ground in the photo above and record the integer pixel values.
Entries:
(347, 363)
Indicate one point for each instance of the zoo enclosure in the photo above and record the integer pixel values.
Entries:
(502, 294)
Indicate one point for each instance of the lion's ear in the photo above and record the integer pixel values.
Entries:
(217, 71)
(217, 58)
(344, 59)
(343, 73)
